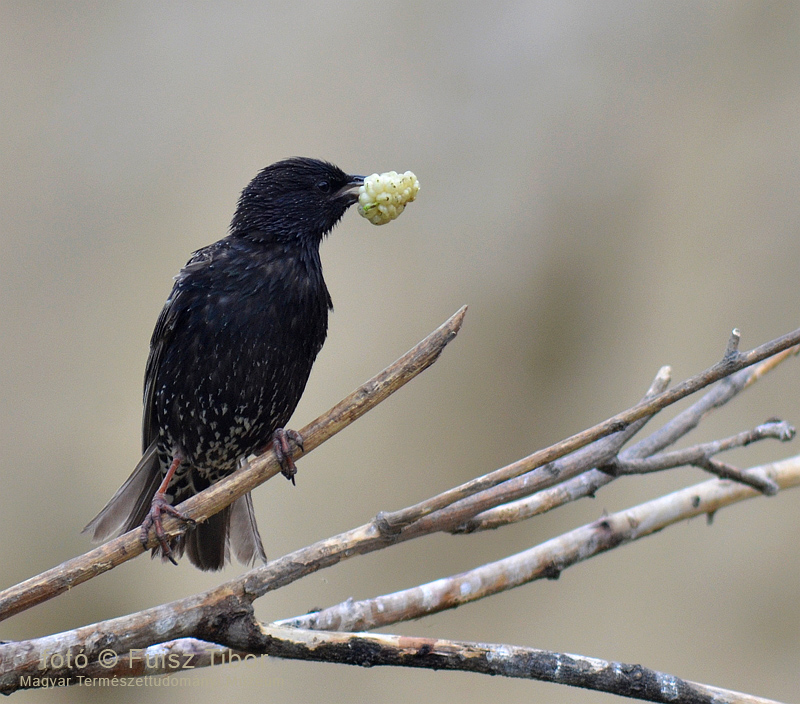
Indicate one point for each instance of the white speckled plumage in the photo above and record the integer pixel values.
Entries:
(232, 351)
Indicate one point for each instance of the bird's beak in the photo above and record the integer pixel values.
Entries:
(349, 192)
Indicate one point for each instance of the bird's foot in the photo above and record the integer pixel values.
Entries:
(283, 452)
(159, 507)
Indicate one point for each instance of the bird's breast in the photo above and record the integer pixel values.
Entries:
(238, 362)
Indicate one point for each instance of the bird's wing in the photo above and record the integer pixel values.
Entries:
(201, 262)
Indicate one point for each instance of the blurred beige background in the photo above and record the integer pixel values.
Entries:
(609, 186)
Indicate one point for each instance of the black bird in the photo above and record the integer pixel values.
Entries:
(229, 359)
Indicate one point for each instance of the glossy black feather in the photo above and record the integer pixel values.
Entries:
(232, 351)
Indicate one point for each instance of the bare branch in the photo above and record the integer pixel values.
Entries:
(588, 483)
(546, 560)
(69, 574)
(371, 650)
(229, 605)
(225, 616)
(368, 650)
(732, 361)
(700, 456)
(599, 452)
(726, 471)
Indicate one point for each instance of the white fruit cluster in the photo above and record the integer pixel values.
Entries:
(382, 197)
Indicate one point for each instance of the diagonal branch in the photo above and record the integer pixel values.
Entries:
(700, 456)
(599, 452)
(732, 361)
(587, 484)
(548, 559)
(199, 507)
(370, 650)
(225, 616)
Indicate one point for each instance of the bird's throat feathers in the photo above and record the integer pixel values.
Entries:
(288, 270)
(303, 231)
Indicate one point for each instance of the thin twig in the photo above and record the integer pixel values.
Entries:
(700, 456)
(726, 471)
(590, 482)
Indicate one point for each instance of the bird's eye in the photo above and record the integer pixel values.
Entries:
(323, 186)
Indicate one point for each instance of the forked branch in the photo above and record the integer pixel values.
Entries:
(219, 625)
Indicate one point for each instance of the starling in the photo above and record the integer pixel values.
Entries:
(229, 359)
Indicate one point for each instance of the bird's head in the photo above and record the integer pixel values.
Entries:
(295, 200)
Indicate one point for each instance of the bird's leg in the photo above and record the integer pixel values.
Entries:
(280, 443)
(159, 506)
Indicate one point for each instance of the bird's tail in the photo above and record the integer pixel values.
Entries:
(233, 529)
(208, 546)
(129, 506)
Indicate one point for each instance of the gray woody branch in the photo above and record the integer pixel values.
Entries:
(225, 615)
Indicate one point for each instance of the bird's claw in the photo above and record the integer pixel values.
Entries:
(158, 507)
(283, 452)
